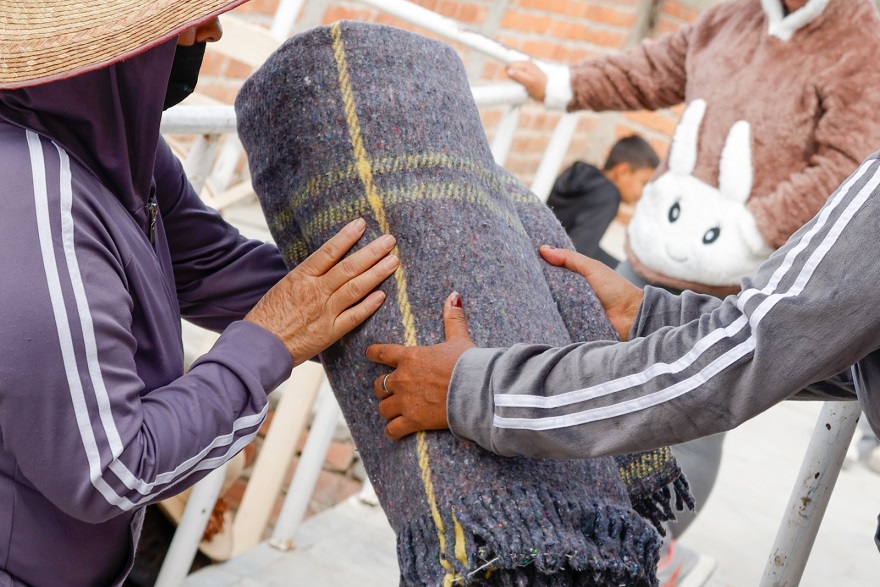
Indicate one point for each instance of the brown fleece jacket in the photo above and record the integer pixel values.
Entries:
(807, 84)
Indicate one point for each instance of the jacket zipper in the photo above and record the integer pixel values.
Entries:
(154, 215)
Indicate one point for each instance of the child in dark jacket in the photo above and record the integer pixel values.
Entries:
(586, 199)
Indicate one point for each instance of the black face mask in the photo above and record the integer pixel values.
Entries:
(184, 73)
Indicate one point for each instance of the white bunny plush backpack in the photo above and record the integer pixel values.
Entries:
(689, 231)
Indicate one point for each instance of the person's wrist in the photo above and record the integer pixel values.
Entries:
(260, 318)
(632, 313)
(557, 90)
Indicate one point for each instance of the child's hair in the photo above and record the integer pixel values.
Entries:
(633, 150)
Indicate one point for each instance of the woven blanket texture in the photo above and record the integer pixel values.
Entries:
(361, 120)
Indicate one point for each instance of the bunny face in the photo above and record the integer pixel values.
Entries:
(688, 230)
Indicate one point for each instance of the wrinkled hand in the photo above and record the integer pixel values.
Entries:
(619, 297)
(531, 77)
(322, 299)
(417, 388)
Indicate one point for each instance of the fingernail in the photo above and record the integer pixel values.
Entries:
(456, 300)
(551, 247)
(358, 224)
(391, 262)
(388, 240)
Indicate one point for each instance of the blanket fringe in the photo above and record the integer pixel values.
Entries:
(535, 542)
(646, 471)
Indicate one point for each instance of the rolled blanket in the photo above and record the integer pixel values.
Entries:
(367, 120)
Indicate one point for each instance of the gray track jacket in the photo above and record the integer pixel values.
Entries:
(695, 365)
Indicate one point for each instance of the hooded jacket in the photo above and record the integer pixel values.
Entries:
(585, 202)
(801, 90)
(104, 247)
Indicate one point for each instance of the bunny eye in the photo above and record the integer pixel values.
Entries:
(674, 212)
(711, 235)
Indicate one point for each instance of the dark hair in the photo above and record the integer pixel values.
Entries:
(633, 150)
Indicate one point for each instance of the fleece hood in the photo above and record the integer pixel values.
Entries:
(577, 179)
(585, 202)
(784, 26)
(107, 119)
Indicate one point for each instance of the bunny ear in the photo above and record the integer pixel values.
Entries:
(735, 175)
(683, 152)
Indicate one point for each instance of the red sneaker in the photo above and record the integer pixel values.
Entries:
(683, 567)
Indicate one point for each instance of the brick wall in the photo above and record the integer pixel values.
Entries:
(555, 30)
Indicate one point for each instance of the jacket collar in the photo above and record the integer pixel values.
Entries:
(782, 26)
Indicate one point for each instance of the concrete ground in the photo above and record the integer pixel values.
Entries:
(758, 471)
(352, 543)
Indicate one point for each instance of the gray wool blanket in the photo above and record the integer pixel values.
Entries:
(366, 120)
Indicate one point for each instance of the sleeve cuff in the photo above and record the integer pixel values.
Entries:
(470, 405)
(652, 306)
(557, 94)
(248, 347)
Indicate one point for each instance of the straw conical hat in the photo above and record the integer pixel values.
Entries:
(45, 40)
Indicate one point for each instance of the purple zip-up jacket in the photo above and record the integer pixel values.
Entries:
(97, 418)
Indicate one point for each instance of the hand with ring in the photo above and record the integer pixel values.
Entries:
(420, 380)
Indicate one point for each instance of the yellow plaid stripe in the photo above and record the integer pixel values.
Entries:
(339, 214)
(646, 465)
(390, 165)
(365, 172)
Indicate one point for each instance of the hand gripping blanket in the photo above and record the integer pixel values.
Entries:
(367, 120)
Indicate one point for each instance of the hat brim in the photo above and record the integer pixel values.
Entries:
(45, 41)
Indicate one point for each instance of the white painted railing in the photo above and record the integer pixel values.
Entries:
(211, 123)
(447, 28)
(454, 31)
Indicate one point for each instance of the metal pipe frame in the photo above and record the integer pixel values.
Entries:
(310, 463)
(192, 526)
(446, 28)
(811, 494)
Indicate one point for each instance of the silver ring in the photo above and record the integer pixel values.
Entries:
(385, 387)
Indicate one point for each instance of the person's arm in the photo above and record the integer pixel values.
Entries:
(93, 411)
(810, 312)
(840, 387)
(651, 76)
(219, 274)
(660, 309)
(90, 427)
